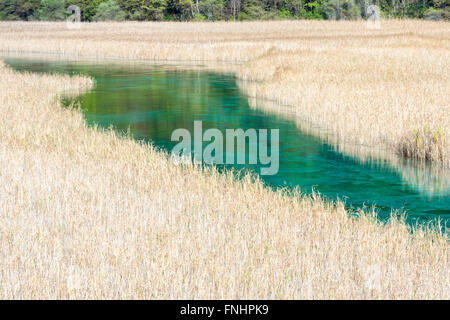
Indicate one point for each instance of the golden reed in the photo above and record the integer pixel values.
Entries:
(87, 214)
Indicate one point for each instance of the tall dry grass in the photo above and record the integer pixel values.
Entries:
(381, 99)
(86, 214)
(430, 180)
(381, 89)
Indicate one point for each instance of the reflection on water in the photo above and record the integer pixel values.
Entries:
(151, 102)
(431, 181)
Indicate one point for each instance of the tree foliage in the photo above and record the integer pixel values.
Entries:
(109, 11)
(52, 10)
(211, 10)
(19, 9)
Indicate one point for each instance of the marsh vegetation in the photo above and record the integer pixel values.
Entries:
(86, 213)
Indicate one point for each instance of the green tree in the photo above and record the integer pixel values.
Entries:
(252, 10)
(434, 14)
(212, 9)
(52, 10)
(144, 9)
(88, 7)
(18, 9)
(314, 10)
(181, 10)
(109, 11)
(295, 7)
(184, 10)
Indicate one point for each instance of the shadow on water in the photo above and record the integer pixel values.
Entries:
(152, 102)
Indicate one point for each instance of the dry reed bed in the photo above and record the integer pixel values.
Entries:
(395, 99)
(85, 214)
(430, 180)
(382, 89)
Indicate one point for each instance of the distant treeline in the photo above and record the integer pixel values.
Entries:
(199, 10)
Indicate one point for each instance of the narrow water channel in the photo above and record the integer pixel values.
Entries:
(153, 101)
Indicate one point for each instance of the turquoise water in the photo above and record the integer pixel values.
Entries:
(152, 102)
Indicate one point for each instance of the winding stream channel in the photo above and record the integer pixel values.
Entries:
(153, 101)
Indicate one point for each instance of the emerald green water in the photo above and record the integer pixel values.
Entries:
(151, 102)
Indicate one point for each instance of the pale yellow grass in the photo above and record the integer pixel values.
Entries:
(429, 180)
(380, 99)
(86, 214)
(384, 91)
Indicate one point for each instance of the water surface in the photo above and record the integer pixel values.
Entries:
(153, 101)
